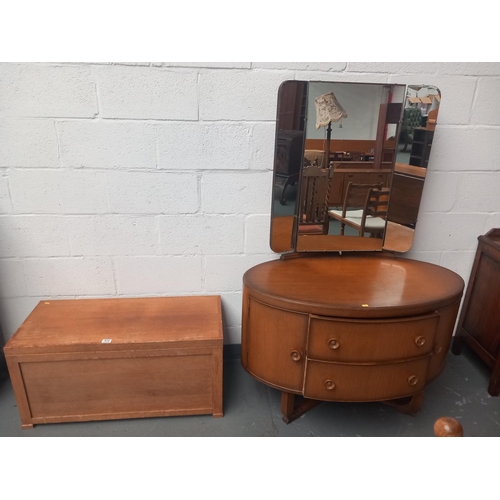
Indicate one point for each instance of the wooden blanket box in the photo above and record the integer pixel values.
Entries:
(106, 359)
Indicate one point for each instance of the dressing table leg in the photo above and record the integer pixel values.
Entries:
(291, 411)
(409, 406)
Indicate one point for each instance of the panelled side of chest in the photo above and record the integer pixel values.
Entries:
(115, 384)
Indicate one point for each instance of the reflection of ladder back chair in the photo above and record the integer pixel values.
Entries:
(315, 186)
(364, 209)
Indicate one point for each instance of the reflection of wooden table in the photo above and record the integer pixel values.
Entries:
(412, 170)
(355, 156)
(406, 192)
(348, 328)
(357, 173)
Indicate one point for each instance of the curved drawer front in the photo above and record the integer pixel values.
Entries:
(343, 382)
(365, 341)
(274, 345)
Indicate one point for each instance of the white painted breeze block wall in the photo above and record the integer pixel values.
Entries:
(149, 179)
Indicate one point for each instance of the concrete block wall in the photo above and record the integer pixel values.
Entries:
(148, 179)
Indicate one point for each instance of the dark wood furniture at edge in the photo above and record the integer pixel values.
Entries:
(288, 158)
(105, 359)
(290, 123)
(351, 328)
(479, 322)
(421, 146)
(406, 192)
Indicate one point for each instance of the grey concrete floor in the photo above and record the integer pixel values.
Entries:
(253, 409)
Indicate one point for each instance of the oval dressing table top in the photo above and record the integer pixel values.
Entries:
(356, 286)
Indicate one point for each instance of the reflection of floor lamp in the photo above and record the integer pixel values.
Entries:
(328, 110)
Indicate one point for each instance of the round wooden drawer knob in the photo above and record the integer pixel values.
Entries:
(295, 355)
(420, 341)
(333, 344)
(329, 384)
(413, 380)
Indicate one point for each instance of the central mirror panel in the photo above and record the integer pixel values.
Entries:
(350, 163)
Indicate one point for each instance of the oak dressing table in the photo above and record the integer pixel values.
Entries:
(343, 317)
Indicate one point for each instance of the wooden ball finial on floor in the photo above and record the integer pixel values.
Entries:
(448, 427)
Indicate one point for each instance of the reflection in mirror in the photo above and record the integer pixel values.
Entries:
(352, 129)
(350, 165)
(415, 141)
(290, 126)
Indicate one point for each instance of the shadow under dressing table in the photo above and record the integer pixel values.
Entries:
(341, 317)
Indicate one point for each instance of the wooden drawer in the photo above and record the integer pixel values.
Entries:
(345, 382)
(360, 341)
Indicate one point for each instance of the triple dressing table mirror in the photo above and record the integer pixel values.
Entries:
(341, 316)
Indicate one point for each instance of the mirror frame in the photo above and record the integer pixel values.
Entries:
(284, 237)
